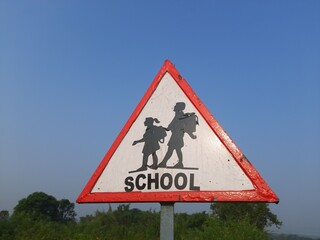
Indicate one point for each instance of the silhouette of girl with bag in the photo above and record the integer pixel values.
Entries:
(151, 138)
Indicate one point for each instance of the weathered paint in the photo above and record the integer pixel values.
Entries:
(218, 170)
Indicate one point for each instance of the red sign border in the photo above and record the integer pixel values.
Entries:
(261, 192)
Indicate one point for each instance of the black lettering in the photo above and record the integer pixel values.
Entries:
(142, 186)
(162, 183)
(129, 183)
(184, 181)
(192, 187)
(154, 180)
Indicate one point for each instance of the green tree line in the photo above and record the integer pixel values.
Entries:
(41, 216)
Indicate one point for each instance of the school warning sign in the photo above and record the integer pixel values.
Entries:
(172, 149)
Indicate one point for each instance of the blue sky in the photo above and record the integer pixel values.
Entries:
(72, 72)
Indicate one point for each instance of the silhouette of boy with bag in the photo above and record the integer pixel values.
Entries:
(180, 124)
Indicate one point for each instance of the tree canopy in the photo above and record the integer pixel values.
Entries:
(41, 205)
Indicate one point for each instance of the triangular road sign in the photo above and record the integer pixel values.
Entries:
(173, 150)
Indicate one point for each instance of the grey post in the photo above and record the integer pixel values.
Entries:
(166, 221)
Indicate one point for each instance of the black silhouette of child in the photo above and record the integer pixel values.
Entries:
(151, 138)
(178, 127)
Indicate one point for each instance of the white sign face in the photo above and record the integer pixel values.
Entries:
(171, 147)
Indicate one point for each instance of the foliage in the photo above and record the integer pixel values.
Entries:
(185, 224)
(66, 211)
(41, 216)
(290, 237)
(257, 214)
(40, 205)
(230, 230)
(4, 215)
(6, 228)
(26, 227)
(123, 223)
(203, 226)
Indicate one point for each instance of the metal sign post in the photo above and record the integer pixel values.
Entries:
(167, 221)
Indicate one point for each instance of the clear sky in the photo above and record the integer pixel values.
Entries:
(72, 72)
